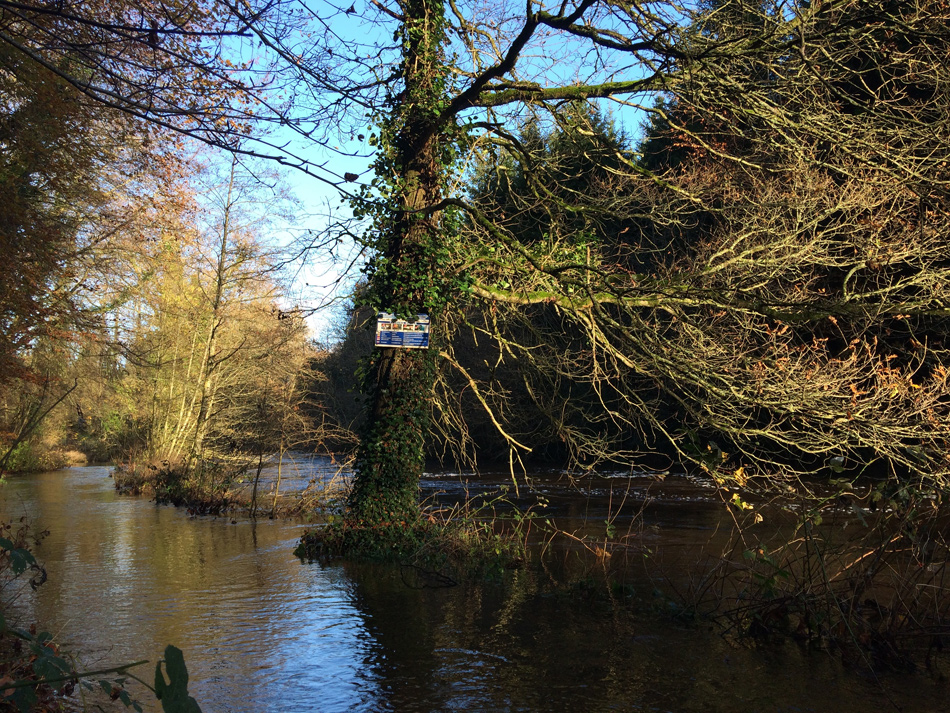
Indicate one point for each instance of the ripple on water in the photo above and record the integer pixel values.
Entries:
(261, 632)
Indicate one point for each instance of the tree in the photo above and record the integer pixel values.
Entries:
(727, 335)
(55, 173)
(769, 345)
(71, 172)
(205, 323)
(798, 217)
(770, 218)
(547, 191)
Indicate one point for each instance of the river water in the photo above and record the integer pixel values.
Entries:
(262, 631)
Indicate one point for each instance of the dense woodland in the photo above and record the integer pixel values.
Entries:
(748, 279)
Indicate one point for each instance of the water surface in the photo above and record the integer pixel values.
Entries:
(262, 631)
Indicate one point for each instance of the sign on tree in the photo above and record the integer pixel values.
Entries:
(392, 332)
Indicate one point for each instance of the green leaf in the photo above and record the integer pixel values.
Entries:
(174, 694)
(49, 666)
(20, 559)
(24, 699)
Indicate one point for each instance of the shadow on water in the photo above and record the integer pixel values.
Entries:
(263, 632)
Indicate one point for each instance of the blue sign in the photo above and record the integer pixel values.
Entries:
(392, 332)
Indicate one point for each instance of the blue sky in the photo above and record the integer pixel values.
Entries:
(356, 32)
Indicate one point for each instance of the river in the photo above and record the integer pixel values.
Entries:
(262, 631)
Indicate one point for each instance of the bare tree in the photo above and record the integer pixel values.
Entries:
(811, 129)
(800, 321)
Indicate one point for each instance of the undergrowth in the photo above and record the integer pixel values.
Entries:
(862, 574)
(218, 488)
(482, 536)
(203, 491)
(36, 675)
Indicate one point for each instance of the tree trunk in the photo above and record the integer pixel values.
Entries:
(405, 280)
(210, 361)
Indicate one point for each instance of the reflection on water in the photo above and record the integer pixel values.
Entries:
(263, 632)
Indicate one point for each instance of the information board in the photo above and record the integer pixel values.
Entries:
(392, 332)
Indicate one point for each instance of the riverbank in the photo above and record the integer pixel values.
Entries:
(27, 457)
(286, 486)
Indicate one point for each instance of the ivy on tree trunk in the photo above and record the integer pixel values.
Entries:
(406, 276)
